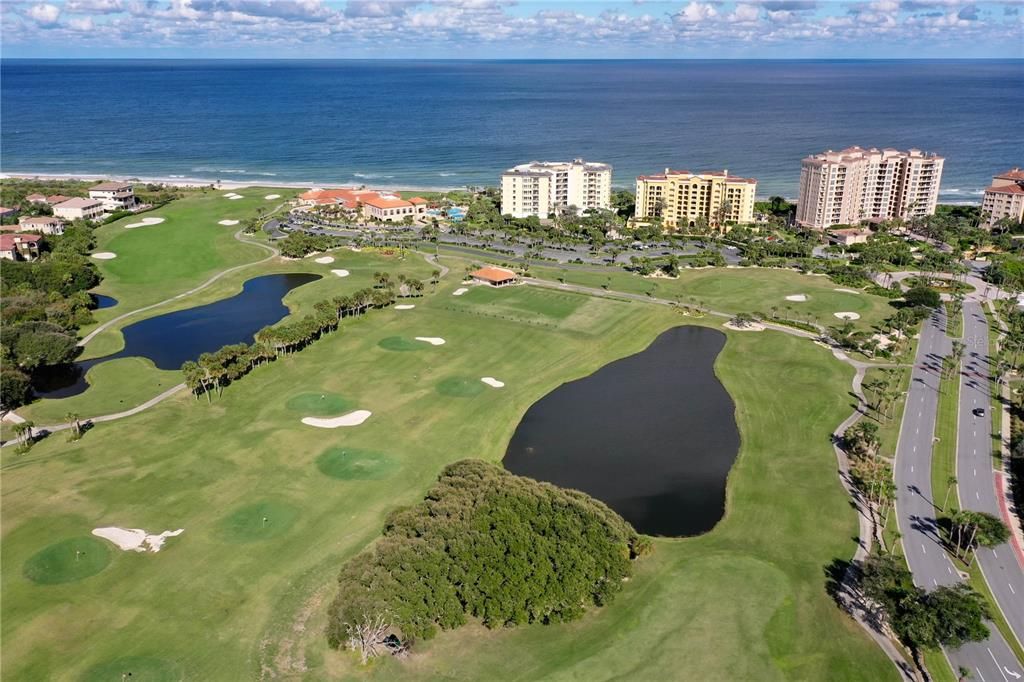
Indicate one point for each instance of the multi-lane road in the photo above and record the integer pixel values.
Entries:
(976, 479)
(991, 660)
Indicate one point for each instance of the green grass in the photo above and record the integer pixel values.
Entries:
(938, 666)
(67, 561)
(954, 322)
(995, 402)
(318, 404)
(944, 451)
(234, 593)
(736, 290)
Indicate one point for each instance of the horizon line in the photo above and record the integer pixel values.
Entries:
(522, 59)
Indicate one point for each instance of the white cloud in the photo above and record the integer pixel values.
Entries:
(745, 14)
(83, 24)
(94, 6)
(44, 15)
(697, 12)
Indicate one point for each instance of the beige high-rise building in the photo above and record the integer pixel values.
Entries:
(681, 198)
(856, 184)
(541, 188)
(1004, 198)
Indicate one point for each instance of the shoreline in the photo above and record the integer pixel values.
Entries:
(188, 181)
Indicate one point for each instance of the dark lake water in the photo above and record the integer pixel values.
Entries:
(653, 435)
(103, 301)
(172, 339)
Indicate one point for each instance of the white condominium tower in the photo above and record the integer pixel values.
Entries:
(541, 188)
(858, 184)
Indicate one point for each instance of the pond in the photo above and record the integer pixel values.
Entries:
(172, 339)
(102, 301)
(652, 435)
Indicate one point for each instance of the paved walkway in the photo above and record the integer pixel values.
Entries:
(238, 235)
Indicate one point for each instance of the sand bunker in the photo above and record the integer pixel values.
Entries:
(237, 196)
(848, 291)
(797, 297)
(232, 195)
(405, 306)
(227, 222)
(356, 249)
(104, 255)
(144, 222)
(324, 260)
(351, 419)
(272, 196)
(341, 273)
(460, 291)
(432, 340)
(135, 539)
(491, 381)
(847, 316)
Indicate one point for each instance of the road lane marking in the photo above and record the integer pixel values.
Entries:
(998, 667)
(977, 496)
(994, 554)
(980, 675)
(923, 549)
(1012, 591)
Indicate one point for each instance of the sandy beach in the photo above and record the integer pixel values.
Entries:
(218, 183)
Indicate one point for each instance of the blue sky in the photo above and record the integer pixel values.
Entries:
(512, 29)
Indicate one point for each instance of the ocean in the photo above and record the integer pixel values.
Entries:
(426, 124)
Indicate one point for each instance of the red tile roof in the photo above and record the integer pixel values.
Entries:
(493, 274)
(34, 198)
(1015, 174)
(1006, 189)
(417, 200)
(384, 202)
(9, 241)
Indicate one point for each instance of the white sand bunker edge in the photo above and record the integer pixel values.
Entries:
(227, 222)
(432, 340)
(847, 316)
(405, 306)
(341, 273)
(144, 223)
(460, 291)
(272, 196)
(135, 539)
(847, 291)
(324, 260)
(104, 255)
(231, 195)
(351, 419)
(797, 297)
(491, 381)
(237, 196)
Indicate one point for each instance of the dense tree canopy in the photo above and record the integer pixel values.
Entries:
(485, 543)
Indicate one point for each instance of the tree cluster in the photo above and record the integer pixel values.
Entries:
(42, 304)
(946, 616)
(214, 371)
(486, 544)
(299, 244)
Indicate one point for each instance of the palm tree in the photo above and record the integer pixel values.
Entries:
(950, 482)
(76, 425)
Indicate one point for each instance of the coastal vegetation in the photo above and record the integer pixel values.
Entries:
(502, 549)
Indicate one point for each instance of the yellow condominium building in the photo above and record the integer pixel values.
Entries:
(541, 188)
(855, 184)
(681, 198)
(1004, 198)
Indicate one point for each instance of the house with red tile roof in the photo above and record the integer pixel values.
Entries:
(4, 211)
(1004, 198)
(36, 198)
(19, 246)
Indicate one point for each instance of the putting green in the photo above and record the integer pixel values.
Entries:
(318, 404)
(136, 669)
(67, 561)
(258, 521)
(400, 343)
(460, 387)
(354, 464)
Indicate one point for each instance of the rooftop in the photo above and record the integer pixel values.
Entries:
(78, 202)
(1012, 174)
(493, 274)
(1006, 189)
(110, 186)
(9, 241)
(39, 220)
(378, 201)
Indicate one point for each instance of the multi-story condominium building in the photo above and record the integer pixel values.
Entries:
(115, 196)
(1004, 198)
(858, 184)
(683, 199)
(541, 188)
